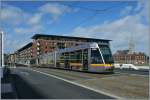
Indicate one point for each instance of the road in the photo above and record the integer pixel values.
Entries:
(132, 71)
(33, 85)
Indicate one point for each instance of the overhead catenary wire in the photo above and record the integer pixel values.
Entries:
(95, 11)
(86, 20)
(85, 8)
(76, 5)
(90, 18)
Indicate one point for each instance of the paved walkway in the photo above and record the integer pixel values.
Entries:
(7, 91)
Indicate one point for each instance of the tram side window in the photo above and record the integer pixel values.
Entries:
(79, 56)
(72, 57)
(95, 56)
(62, 57)
(66, 56)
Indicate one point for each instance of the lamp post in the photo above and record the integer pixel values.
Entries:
(1, 54)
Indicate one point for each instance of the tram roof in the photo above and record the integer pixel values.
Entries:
(80, 47)
(47, 36)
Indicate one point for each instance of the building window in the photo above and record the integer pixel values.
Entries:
(38, 44)
(38, 48)
(46, 43)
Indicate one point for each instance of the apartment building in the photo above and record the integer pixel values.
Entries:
(24, 54)
(43, 44)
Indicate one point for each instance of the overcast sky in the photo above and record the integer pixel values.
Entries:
(116, 21)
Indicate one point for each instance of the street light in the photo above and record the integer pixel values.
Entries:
(1, 55)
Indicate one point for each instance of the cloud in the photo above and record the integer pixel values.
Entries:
(54, 9)
(12, 15)
(143, 9)
(35, 19)
(31, 30)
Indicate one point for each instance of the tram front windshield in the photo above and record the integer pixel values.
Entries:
(95, 56)
(107, 55)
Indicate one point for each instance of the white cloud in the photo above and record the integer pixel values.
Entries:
(12, 15)
(51, 8)
(35, 19)
(31, 30)
(54, 9)
(143, 7)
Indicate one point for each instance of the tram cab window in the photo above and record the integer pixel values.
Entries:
(95, 56)
(107, 55)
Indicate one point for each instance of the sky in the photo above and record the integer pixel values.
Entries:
(114, 20)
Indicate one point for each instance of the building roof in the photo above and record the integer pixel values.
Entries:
(126, 52)
(39, 36)
(123, 52)
(26, 46)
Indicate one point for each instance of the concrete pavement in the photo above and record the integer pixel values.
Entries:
(7, 90)
(121, 84)
(34, 85)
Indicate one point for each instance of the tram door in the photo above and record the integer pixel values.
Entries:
(85, 59)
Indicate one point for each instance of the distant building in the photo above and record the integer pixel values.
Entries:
(25, 54)
(11, 58)
(124, 56)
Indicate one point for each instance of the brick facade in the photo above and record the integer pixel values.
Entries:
(133, 58)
